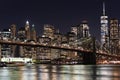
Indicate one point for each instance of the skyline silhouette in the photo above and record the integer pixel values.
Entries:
(61, 14)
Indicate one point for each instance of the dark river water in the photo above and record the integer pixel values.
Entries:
(61, 72)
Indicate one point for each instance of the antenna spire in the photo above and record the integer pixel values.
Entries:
(104, 8)
(27, 22)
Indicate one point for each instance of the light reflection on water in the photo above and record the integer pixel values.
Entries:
(61, 72)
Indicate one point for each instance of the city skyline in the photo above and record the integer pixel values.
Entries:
(61, 14)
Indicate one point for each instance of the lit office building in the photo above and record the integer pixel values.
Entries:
(44, 52)
(13, 31)
(85, 27)
(24, 35)
(28, 51)
(27, 30)
(104, 30)
(71, 38)
(114, 36)
(6, 49)
(57, 39)
(6, 34)
(44, 40)
(56, 42)
(13, 38)
(21, 37)
(82, 30)
(21, 34)
(33, 33)
(74, 30)
(77, 30)
(48, 31)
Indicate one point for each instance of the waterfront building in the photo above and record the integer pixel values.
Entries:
(72, 38)
(56, 40)
(64, 43)
(21, 37)
(55, 53)
(29, 52)
(114, 36)
(5, 35)
(43, 52)
(67, 42)
(104, 30)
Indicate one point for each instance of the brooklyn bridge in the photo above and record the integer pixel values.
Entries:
(89, 56)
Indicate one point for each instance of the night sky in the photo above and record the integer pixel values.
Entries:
(60, 13)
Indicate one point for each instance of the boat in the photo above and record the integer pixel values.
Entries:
(3, 64)
(15, 61)
(29, 63)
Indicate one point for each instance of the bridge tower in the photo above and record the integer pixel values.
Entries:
(90, 57)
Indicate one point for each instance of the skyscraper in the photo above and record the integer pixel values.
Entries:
(82, 30)
(13, 38)
(114, 36)
(27, 30)
(86, 32)
(104, 29)
(49, 31)
(13, 31)
(33, 33)
(21, 34)
(6, 49)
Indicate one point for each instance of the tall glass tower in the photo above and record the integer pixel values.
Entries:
(104, 29)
